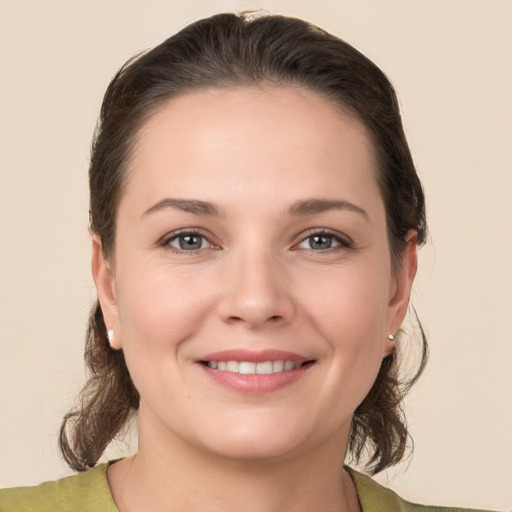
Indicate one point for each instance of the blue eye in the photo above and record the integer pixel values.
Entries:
(188, 242)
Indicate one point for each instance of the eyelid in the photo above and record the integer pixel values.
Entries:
(166, 239)
(340, 237)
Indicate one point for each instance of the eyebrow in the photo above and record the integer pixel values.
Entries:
(187, 205)
(315, 206)
(300, 208)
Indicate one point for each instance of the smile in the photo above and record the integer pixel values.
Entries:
(252, 368)
(255, 372)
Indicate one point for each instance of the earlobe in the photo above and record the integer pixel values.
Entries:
(104, 280)
(402, 284)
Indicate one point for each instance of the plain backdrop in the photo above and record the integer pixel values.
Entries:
(451, 63)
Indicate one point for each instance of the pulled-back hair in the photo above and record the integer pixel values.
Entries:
(224, 51)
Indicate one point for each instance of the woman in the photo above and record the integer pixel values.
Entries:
(255, 214)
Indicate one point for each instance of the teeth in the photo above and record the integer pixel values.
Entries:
(277, 366)
(246, 368)
(288, 365)
(264, 368)
(232, 366)
(250, 368)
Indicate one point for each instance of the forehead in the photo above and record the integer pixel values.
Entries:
(286, 142)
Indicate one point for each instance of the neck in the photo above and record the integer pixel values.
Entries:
(176, 476)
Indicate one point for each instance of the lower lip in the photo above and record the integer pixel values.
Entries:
(255, 384)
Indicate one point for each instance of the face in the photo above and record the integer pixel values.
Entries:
(251, 286)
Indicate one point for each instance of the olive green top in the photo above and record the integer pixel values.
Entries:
(90, 492)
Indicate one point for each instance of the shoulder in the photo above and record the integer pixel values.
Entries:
(375, 497)
(84, 492)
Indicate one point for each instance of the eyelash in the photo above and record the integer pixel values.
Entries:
(342, 240)
(166, 241)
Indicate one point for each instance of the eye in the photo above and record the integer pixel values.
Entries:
(187, 242)
(323, 241)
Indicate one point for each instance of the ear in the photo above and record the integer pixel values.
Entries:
(400, 290)
(104, 279)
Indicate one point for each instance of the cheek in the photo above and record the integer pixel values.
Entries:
(349, 310)
(160, 311)
(162, 307)
(350, 301)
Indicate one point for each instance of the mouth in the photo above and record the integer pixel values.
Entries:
(254, 368)
(255, 372)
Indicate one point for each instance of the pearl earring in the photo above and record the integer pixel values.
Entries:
(110, 335)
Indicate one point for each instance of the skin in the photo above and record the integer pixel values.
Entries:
(256, 283)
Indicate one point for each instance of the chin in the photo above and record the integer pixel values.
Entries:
(257, 440)
(259, 450)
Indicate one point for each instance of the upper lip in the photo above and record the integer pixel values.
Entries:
(255, 356)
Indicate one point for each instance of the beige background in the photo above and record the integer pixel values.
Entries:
(451, 63)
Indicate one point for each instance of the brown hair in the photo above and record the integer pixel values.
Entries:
(229, 50)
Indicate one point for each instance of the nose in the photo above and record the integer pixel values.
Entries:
(257, 291)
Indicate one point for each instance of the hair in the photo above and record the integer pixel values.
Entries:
(224, 51)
